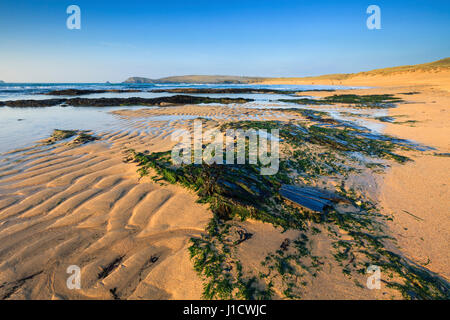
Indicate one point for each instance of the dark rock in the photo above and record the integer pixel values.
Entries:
(178, 99)
(285, 244)
(224, 90)
(32, 103)
(106, 102)
(236, 235)
(79, 92)
(308, 197)
(232, 90)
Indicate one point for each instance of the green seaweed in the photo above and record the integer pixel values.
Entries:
(81, 137)
(59, 135)
(337, 138)
(358, 101)
(239, 192)
(216, 262)
(289, 266)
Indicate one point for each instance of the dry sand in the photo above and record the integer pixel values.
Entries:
(437, 78)
(62, 206)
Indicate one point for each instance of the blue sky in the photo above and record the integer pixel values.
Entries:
(153, 39)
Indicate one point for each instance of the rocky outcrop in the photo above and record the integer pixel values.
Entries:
(224, 90)
(134, 101)
(233, 90)
(32, 103)
(79, 92)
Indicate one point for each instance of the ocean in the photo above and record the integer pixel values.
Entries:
(21, 127)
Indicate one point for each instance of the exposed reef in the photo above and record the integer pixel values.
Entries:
(133, 101)
(79, 92)
(233, 90)
(32, 103)
(82, 137)
(374, 101)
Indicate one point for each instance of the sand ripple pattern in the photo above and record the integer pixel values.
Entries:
(62, 206)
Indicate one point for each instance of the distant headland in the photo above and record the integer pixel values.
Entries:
(196, 79)
(425, 68)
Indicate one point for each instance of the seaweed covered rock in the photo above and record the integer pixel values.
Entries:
(59, 135)
(239, 192)
(82, 137)
(374, 101)
(231, 190)
(32, 103)
(314, 199)
(133, 101)
(79, 92)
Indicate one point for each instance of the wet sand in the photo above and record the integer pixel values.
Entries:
(62, 206)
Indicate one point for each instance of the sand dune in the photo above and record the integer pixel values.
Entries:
(435, 73)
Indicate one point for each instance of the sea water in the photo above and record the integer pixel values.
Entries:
(21, 127)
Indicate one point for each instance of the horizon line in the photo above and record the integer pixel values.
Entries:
(218, 75)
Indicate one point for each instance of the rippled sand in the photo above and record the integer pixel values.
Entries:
(62, 206)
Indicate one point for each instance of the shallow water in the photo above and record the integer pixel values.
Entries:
(334, 112)
(21, 127)
(14, 91)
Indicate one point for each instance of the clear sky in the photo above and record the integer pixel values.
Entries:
(119, 39)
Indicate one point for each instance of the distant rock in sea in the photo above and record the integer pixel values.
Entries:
(1, 81)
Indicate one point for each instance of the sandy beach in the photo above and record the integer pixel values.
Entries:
(420, 187)
(63, 205)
